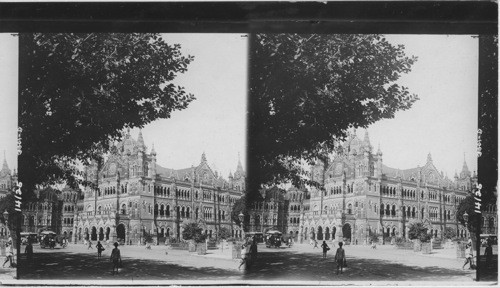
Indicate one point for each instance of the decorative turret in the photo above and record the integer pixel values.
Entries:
(366, 142)
(429, 158)
(5, 167)
(153, 152)
(465, 171)
(239, 170)
(152, 164)
(140, 140)
(230, 175)
(203, 158)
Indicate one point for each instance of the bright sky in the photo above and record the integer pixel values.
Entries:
(444, 120)
(8, 98)
(214, 123)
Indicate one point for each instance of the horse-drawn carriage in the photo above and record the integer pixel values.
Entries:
(274, 239)
(50, 240)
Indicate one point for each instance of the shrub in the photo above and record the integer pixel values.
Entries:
(424, 238)
(449, 233)
(192, 231)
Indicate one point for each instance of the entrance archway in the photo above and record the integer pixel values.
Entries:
(101, 234)
(327, 233)
(320, 233)
(334, 230)
(108, 230)
(346, 232)
(93, 236)
(87, 234)
(65, 235)
(305, 234)
(313, 235)
(120, 232)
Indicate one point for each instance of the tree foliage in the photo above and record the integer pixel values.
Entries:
(467, 205)
(7, 203)
(193, 231)
(306, 91)
(418, 231)
(78, 92)
(239, 206)
(449, 233)
(223, 233)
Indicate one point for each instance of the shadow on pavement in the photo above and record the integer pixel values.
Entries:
(311, 267)
(63, 265)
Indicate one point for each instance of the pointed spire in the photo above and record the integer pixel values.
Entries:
(203, 158)
(230, 174)
(5, 167)
(153, 152)
(140, 140)
(465, 170)
(429, 158)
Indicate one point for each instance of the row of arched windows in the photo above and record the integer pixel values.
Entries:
(295, 208)
(68, 221)
(296, 197)
(69, 208)
(294, 220)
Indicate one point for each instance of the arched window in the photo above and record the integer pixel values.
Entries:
(393, 211)
(382, 209)
(349, 208)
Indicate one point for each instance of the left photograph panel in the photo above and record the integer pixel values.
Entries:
(133, 155)
(9, 150)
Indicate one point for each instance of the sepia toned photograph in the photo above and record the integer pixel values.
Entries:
(263, 156)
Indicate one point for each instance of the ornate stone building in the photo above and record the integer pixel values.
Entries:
(134, 195)
(360, 195)
(270, 213)
(7, 178)
(7, 181)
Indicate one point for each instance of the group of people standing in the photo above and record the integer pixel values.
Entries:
(340, 260)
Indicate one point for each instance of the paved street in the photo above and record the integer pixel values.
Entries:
(303, 263)
(78, 262)
(299, 263)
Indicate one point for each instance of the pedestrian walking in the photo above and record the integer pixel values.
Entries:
(245, 257)
(325, 249)
(253, 250)
(315, 244)
(116, 258)
(29, 252)
(9, 254)
(340, 258)
(468, 256)
(90, 245)
(100, 248)
(488, 252)
(373, 246)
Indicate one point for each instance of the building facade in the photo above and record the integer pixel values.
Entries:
(134, 195)
(8, 180)
(360, 196)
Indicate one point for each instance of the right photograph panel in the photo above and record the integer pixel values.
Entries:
(363, 158)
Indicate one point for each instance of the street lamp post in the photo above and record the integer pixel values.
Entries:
(466, 219)
(6, 219)
(241, 217)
